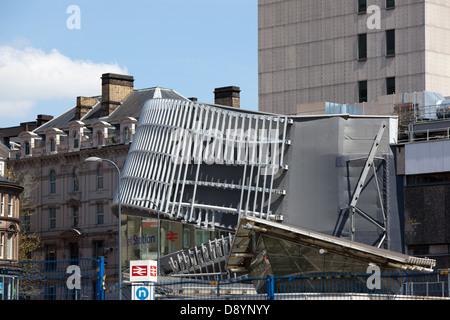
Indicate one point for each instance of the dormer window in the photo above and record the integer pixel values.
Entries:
(99, 138)
(27, 140)
(76, 134)
(27, 148)
(101, 134)
(53, 139)
(52, 145)
(127, 129)
(75, 140)
(126, 134)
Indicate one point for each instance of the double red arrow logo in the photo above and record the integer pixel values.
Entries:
(143, 270)
(152, 271)
(172, 236)
(139, 271)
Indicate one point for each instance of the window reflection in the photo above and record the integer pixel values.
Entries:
(288, 258)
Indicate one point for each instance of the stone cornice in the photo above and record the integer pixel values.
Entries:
(103, 152)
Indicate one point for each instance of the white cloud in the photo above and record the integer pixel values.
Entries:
(29, 76)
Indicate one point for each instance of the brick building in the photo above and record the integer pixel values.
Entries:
(72, 213)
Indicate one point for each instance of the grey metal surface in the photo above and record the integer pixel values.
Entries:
(130, 107)
(325, 161)
(204, 261)
(430, 157)
(204, 164)
(315, 174)
(243, 251)
(60, 121)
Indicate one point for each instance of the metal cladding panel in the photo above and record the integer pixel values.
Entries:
(427, 157)
(326, 161)
(207, 165)
(312, 181)
(204, 164)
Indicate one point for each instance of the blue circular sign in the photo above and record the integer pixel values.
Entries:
(142, 293)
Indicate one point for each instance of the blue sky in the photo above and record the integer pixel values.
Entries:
(191, 46)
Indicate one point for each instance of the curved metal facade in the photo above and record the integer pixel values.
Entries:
(204, 164)
(208, 165)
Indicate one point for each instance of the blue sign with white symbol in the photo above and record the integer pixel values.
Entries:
(142, 293)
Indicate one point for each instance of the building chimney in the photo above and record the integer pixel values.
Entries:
(115, 89)
(42, 118)
(227, 96)
(84, 104)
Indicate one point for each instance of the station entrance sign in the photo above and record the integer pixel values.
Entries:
(143, 271)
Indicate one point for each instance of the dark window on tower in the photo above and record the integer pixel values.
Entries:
(390, 4)
(390, 85)
(362, 91)
(362, 6)
(362, 46)
(390, 42)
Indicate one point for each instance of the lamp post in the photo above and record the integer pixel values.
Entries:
(96, 159)
(159, 233)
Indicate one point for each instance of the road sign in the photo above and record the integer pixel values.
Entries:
(143, 270)
(143, 292)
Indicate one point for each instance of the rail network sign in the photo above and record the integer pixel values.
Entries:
(143, 270)
(172, 236)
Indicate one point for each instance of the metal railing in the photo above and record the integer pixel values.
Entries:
(385, 286)
(77, 279)
(84, 279)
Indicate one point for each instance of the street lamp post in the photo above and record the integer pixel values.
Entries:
(96, 159)
(159, 232)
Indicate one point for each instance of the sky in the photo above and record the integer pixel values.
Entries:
(52, 51)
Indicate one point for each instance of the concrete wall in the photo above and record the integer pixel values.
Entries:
(308, 51)
(437, 55)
